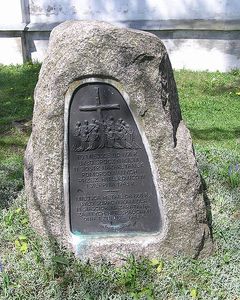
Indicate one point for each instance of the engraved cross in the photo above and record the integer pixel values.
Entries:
(99, 107)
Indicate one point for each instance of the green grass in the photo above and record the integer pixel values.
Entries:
(16, 92)
(35, 268)
(210, 104)
(16, 101)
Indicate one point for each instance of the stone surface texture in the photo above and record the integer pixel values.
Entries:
(139, 62)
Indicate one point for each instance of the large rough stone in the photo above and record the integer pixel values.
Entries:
(139, 62)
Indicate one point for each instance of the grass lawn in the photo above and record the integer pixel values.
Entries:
(34, 268)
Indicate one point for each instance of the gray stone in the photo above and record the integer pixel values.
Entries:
(137, 63)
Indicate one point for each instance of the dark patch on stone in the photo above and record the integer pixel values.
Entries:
(141, 58)
(169, 94)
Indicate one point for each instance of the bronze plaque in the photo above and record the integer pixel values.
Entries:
(111, 188)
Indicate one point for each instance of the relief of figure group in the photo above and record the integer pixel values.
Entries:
(107, 133)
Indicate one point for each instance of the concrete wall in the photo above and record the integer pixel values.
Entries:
(125, 10)
(10, 12)
(10, 32)
(199, 34)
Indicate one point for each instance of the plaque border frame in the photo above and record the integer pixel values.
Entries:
(77, 239)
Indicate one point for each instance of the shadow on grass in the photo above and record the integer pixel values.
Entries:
(215, 133)
(11, 180)
(15, 143)
(222, 88)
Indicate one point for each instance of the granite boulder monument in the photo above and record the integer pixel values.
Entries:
(109, 167)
